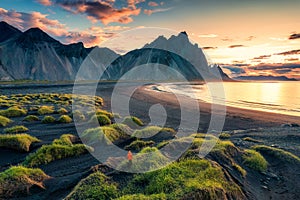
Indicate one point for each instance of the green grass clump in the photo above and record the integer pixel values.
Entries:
(96, 186)
(18, 180)
(143, 197)
(44, 110)
(133, 122)
(4, 121)
(224, 136)
(151, 131)
(95, 135)
(162, 144)
(16, 129)
(249, 139)
(139, 145)
(239, 169)
(66, 139)
(149, 149)
(13, 112)
(31, 118)
(104, 112)
(103, 120)
(255, 160)
(78, 116)
(48, 120)
(64, 119)
(62, 111)
(188, 179)
(280, 154)
(19, 142)
(123, 129)
(52, 152)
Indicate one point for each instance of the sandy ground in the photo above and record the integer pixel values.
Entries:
(67, 172)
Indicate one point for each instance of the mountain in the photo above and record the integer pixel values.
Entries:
(264, 78)
(182, 46)
(151, 64)
(7, 31)
(34, 55)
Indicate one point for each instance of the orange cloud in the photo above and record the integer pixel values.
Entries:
(101, 10)
(150, 12)
(153, 4)
(45, 2)
(24, 21)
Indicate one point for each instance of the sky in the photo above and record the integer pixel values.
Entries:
(246, 37)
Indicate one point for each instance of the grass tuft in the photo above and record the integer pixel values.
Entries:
(62, 111)
(52, 152)
(133, 122)
(95, 135)
(16, 129)
(4, 121)
(18, 180)
(48, 120)
(151, 131)
(280, 154)
(19, 142)
(249, 139)
(44, 110)
(188, 179)
(255, 160)
(64, 119)
(103, 120)
(31, 118)
(13, 112)
(139, 145)
(95, 186)
(66, 139)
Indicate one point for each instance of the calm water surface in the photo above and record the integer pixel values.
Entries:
(276, 97)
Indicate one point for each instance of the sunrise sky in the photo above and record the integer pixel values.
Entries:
(247, 37)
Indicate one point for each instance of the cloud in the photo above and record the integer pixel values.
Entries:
(90, 37)
(292, 52)
(101, 10)
(208, 36)
(150, 12)
(262, 57)
(291, 59)
(45, 2)
(209, 48)
(236, 46)
(24, 21)
(277, 66)
(227, 39)
(153, 4)
(294, 36)
(250, 38)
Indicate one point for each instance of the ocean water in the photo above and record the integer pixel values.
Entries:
(274, 97)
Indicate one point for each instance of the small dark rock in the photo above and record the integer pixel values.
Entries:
(295, 125)
(286, 125)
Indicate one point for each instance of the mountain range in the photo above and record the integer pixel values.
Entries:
(34, 55)
(264, 78)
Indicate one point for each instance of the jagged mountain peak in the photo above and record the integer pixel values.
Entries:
(37, 35)
(7, 31)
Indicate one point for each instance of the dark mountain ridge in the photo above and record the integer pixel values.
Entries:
(34, 55)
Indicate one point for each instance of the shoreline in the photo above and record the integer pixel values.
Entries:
(236, 118)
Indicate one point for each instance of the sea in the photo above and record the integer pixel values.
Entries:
(273, 97)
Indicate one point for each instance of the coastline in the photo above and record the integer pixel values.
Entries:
(236, 118)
